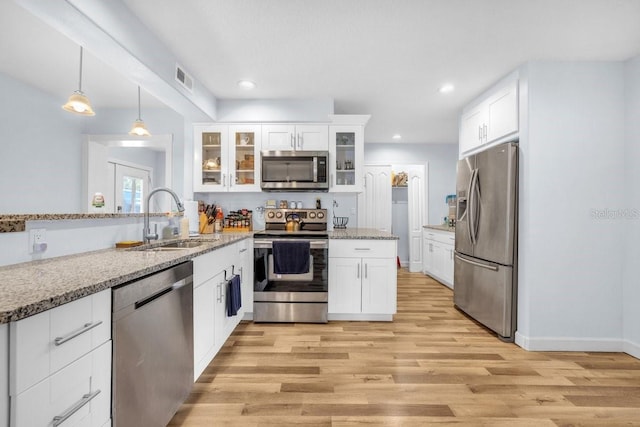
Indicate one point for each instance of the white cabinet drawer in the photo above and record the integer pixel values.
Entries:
(43, 344)
(445, 237)
(79, 395)
(208, 265)
(362, 248)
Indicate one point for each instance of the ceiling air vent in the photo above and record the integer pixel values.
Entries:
(185, 79)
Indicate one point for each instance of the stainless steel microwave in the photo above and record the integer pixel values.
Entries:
(295, 170)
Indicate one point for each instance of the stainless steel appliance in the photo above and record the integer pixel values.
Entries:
(485, 266)
(295, 170)
(152, 327)
(301, 297)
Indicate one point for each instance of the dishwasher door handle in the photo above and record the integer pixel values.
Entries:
(158, 294)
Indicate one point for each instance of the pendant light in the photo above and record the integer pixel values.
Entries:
(78, 103)
(139, 127)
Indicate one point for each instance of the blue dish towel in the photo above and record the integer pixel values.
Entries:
(291, 257)
(234, 299)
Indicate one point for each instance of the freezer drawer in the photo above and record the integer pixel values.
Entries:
(486, 292)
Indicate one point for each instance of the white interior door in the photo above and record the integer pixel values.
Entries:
(131, 186)
(374, 203)
(417, 215)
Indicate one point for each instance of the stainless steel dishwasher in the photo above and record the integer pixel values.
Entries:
(152, 326)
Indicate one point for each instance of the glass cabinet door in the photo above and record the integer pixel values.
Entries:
(211, 158)
(244, 161)
(346, 146)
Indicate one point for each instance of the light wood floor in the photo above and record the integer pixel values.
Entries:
(430, 366)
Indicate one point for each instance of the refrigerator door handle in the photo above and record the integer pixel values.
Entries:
(471, 220)
(477, 264)
(469, 211)
(476, 206)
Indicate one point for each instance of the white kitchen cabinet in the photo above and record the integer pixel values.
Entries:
(227, 158)
(299, 137)
(439, 251)
(60, 362)
(211, 325)
(245, 270)
(77, 395)
(346, 158)
(4, 374)
(362, 279)
(491, 119)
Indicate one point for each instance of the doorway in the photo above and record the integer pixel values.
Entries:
(131, 184)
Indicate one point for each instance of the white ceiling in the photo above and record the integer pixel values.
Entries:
(386, 58)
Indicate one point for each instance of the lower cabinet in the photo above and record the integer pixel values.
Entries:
(4, 374)
(60, 363)
(211, 324)
(439, 251)
(362, 279)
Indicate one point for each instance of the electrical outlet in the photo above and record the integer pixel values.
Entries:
(37, 240)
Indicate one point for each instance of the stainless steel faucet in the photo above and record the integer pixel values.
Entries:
(146, 232)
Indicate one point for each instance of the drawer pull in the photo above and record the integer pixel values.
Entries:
(59, 419)
(363, 249)
(72, 335)
(243, 250)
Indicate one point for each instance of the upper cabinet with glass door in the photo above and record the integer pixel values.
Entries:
(346, 154)
(226, 158)
(244, 157)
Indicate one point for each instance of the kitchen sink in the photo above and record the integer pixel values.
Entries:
(173, 246)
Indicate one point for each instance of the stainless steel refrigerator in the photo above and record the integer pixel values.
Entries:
(485, 267)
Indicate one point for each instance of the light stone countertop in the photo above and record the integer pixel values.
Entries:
(440, 227)
(33, 287)
(14, 223)
(361, 233)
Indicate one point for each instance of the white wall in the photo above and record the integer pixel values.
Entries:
(40, 165)
(571, 172)
(442, 160)
(631, 254)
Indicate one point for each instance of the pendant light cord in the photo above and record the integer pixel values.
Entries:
(139, 115)
(80, 74)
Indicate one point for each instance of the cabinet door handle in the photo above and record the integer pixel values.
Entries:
(358, 271)
(224, 180)
(366, 271)
(300, 141)
(230, 180)
(479, 133)
(293, 142)
(59, 419)
(87, 327)
(484, 131)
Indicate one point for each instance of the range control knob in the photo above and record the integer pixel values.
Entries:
(271, 214)
(278, 214)
(312, 215)
(320, 215)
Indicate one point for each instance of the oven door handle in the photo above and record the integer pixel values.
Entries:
(268, 243)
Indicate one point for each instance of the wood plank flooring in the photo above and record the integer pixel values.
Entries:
(430, 366)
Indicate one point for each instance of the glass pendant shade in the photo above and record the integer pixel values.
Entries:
(78, 102)
(139, 128)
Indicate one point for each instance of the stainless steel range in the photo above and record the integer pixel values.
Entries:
(291, 267)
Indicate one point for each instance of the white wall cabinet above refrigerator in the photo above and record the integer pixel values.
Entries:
(295, 137)
(226, 158)
(493, 118)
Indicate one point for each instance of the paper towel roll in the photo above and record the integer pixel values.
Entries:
(191, 212)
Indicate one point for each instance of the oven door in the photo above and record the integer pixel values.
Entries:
(290, 297)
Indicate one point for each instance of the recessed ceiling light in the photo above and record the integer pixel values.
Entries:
(246, 84)
(397, 137)
(446, 88)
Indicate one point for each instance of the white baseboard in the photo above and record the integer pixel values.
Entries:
(570, 344)
(631, 348)
(362, 317)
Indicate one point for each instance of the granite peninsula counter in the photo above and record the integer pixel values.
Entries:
(33, 287)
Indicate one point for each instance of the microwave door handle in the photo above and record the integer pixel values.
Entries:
(315, 169)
